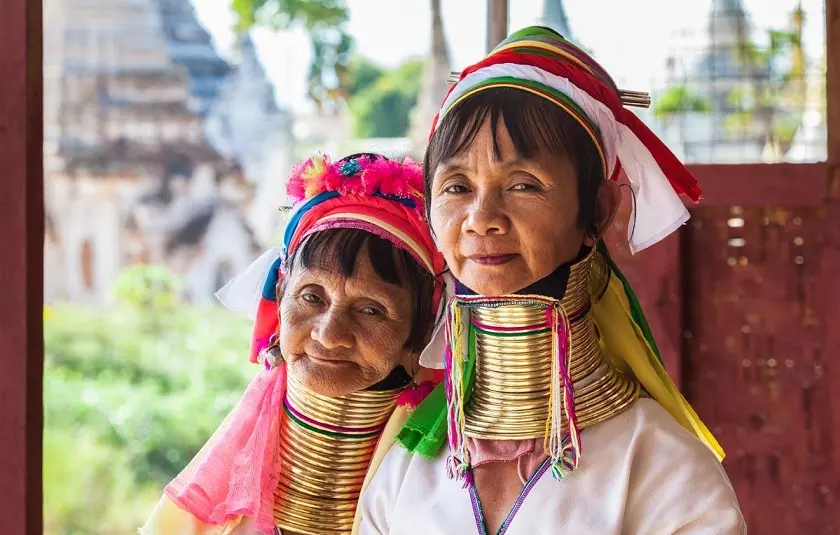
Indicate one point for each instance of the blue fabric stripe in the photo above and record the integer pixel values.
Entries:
(407, 202)
(294, 218)
(268, 291)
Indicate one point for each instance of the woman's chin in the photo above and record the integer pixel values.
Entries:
(494, 280)
(498, 285)
(327, 378)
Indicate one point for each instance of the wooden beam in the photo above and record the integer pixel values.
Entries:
(21, 268)
(497, 22)
(832, 93)
(762, 184)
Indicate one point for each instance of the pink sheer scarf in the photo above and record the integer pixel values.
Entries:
(234, 474)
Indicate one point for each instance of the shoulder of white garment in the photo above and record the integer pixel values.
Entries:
(659, 478)
(377, 502)
(674, 483)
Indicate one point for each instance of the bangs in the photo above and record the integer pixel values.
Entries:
(339, 249)
(534, 124)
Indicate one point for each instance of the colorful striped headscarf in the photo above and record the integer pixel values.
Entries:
(366, 192)
(233, 477)
(541, 62)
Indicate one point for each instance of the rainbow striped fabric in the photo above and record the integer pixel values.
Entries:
(543, 63)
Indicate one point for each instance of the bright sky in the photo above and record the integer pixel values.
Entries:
(631, 39)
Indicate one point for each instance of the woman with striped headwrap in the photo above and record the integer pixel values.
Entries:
(342, 311)
(556, 414)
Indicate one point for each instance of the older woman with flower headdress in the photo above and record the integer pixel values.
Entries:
(342, 311)
(556, 415)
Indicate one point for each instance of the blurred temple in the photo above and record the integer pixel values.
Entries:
(744, 96)
(148, 147)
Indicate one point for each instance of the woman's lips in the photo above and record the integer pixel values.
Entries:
(326, 361)
(492, 260)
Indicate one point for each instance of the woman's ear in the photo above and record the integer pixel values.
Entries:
(606, 207)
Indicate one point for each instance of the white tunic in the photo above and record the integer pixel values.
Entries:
(641, 473)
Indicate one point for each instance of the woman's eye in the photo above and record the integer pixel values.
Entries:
(456, 188)
(310, 298)
(523, 187)
(372, 311)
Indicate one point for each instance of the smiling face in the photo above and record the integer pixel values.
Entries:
(503, 221)
(340, 333)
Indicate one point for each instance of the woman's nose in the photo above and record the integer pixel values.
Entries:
(486, 215)
(332, 329)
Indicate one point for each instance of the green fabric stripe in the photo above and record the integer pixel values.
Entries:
(320, 431)
(636, 311)
(553, 92)
(531, 31)
(537, 32)
(421, 433)
(424, 432)
(598, 71)
(510, 334)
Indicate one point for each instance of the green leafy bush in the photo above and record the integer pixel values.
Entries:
(131, 394)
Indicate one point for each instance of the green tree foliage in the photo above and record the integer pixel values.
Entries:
(361, 75)
(677, 99)
(381, 100)
(325, 22)
(131, 393)
(772, 99)
(767, 105)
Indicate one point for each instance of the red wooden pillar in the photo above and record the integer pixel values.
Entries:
(832, 19)
(21, 267)
(832, 34)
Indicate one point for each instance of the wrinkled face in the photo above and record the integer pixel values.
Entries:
(341, 334)
(505, 223)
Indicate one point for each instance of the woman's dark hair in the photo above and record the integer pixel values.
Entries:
(340, 249)
(535, 125)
